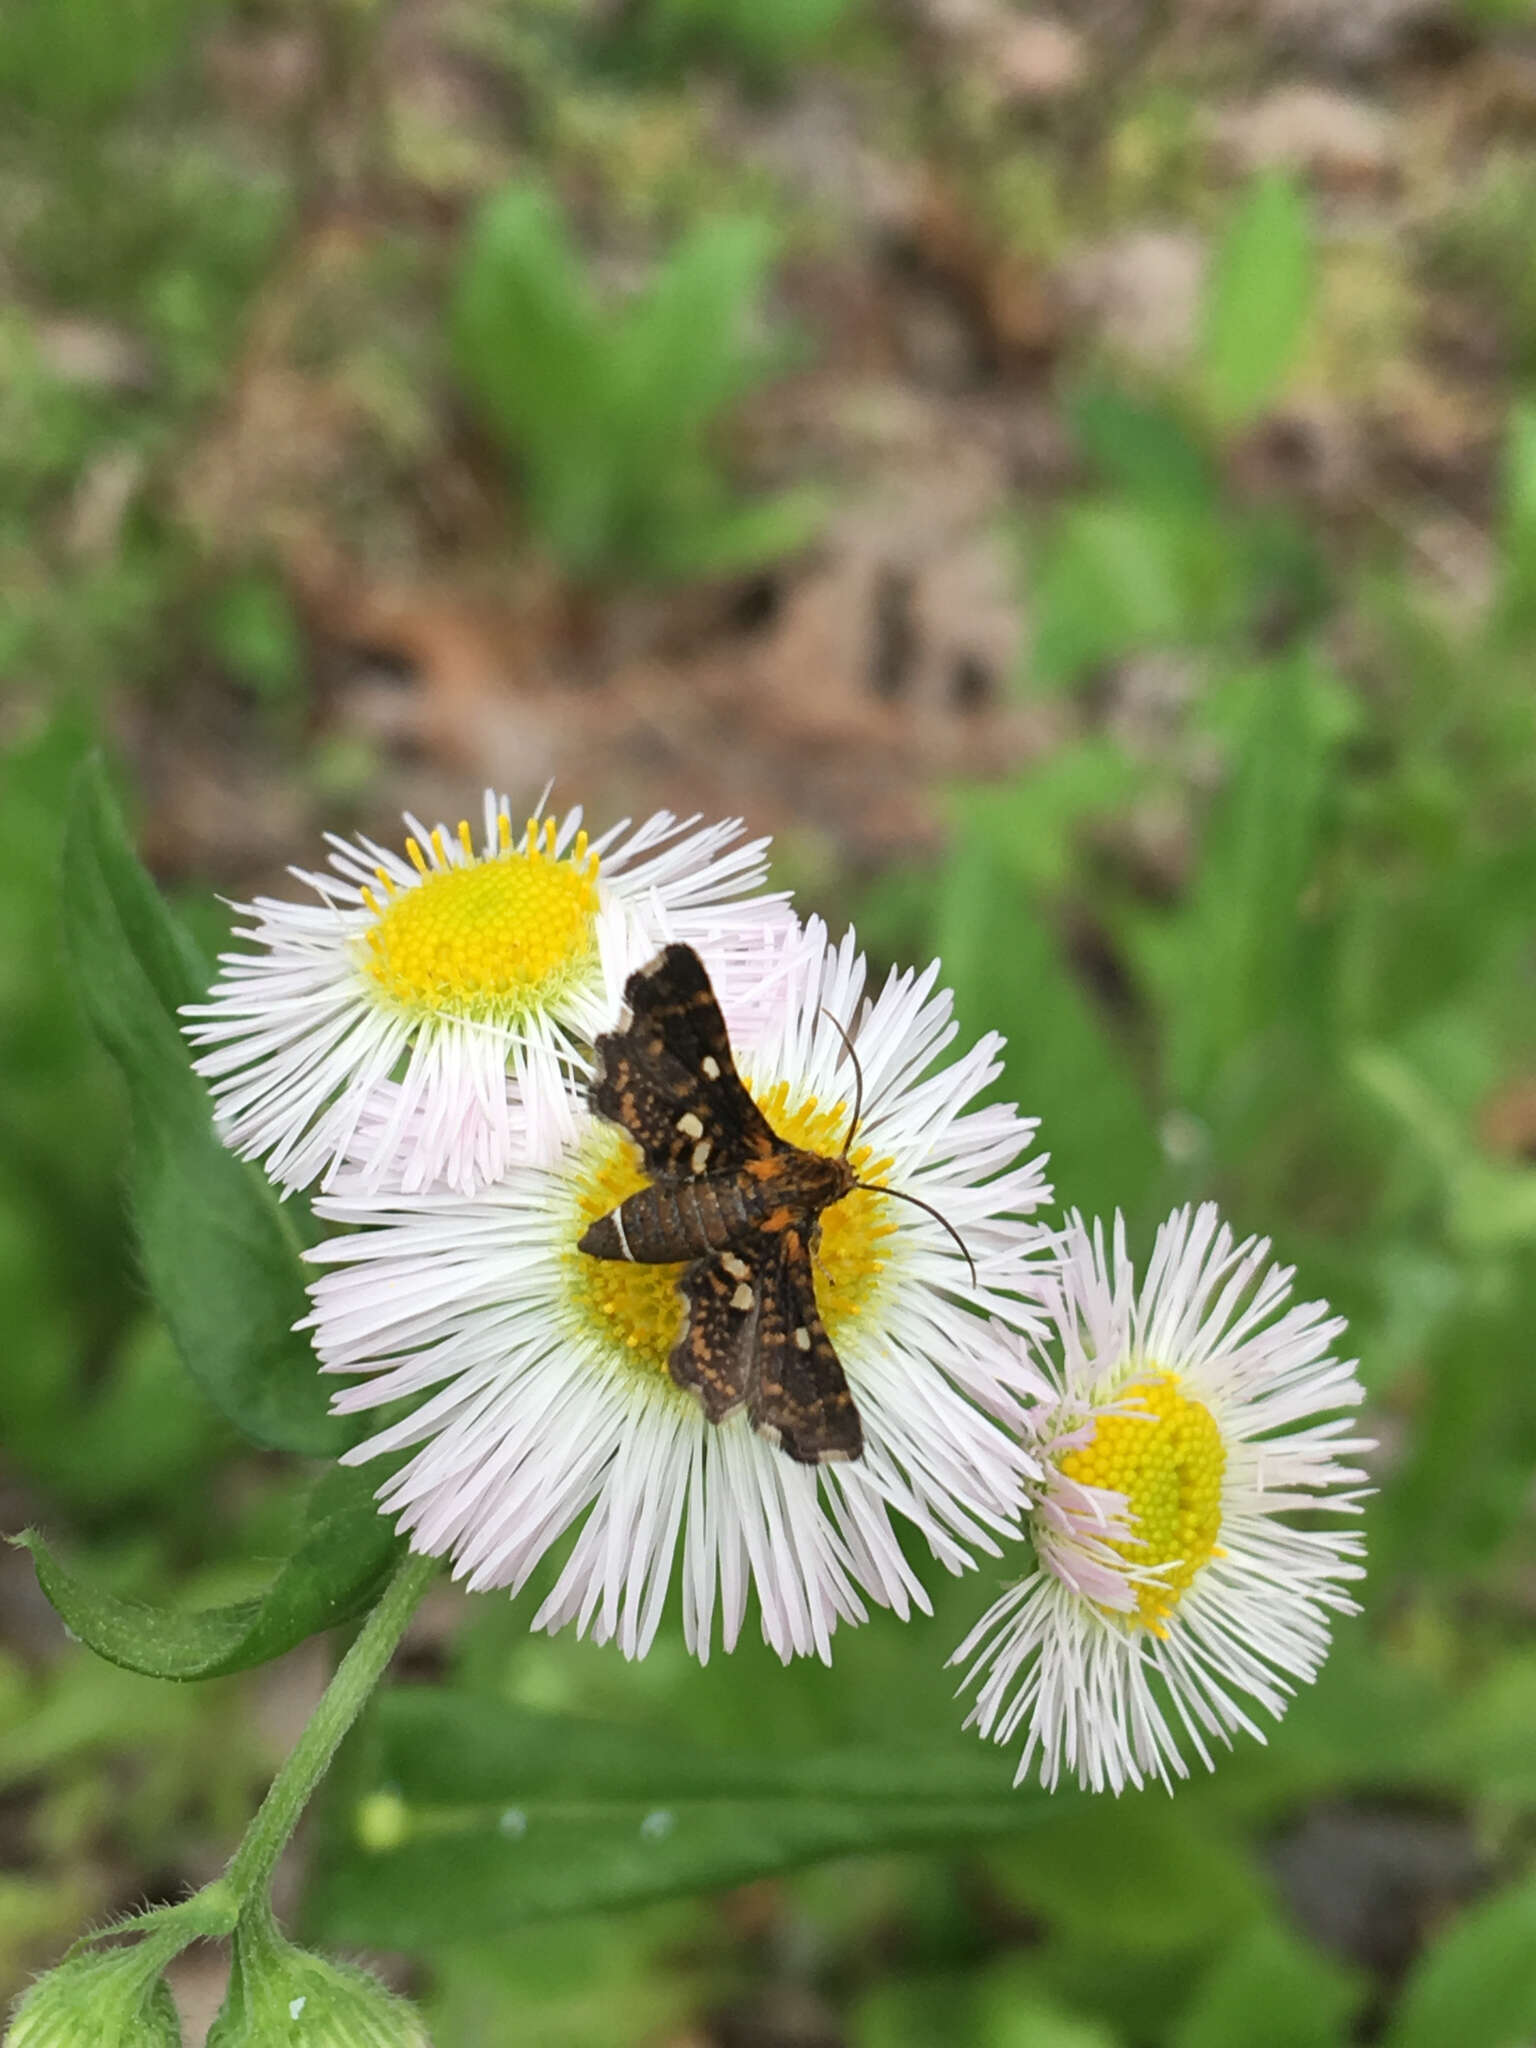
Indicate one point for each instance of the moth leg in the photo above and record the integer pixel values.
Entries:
(712, 1358)
(799, 1397)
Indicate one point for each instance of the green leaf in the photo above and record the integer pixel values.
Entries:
(94, 1404)
(337, 1568)
(113, 1433)
(252, 628)
(220, 1254)
(1003, 2006)
(1235, 969)
(728, 538)
(1476, 1414)
(1259, 300)
(1160, 1873)
(1481, 1739)
(56, 61)
(530, 346)
(98, 857)
(761, 42)
(602, 1980)
(609, 408)
(1146, 449)
(1110, 580)
(1011, 2013)
(1005, 966)
(1270, 1990)
(1518, 598)
(1489, 1206)
(1037, 825)
(473, 1815)
(83, 1709)
(685, 349)
(1477, 1986)
(911, 2012)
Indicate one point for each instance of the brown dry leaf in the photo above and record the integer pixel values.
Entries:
(1498, 92)
(95, 356)
(888, 670)
(1346, 143)
(264, 73)
(1039, 59)
(1445, 429)
(1310, 449)
(1327, 35)
(1140, 293)
(100, 503)
(280, 446)
(481, 692)
(1011, 294)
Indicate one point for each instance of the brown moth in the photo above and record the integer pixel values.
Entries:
(736, 1204)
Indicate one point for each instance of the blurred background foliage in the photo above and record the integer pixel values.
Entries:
(1072, 477)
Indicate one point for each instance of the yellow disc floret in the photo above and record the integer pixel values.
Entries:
(1164, 1453)
(488, 939)
(638, 1310)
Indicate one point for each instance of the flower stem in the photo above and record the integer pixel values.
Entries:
(250, 1870)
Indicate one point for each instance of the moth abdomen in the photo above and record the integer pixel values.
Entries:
(670, 1222)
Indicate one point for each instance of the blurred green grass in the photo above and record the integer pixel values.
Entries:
(1319, 1010)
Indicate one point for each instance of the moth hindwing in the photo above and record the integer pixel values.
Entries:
(733, 1203)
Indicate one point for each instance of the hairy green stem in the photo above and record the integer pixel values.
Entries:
(250, 1870)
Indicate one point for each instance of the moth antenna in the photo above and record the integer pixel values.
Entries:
(858, 1080)
(928, 1210)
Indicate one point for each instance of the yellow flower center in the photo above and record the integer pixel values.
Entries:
(637, 1309)
(489, 940)
(1165, 1454)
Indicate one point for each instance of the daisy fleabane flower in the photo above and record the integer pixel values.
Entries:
(1178, 1426)
(541, 1401)
(452, 970)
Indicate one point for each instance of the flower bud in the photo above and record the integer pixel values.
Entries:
(283, 1997)
(114, 1998)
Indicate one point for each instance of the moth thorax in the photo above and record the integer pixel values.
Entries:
(815, 1180)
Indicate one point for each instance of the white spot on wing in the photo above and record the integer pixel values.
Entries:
(700, 1158)
(742, 1298)
(690, 1125)
(711, 1067)
(802, 1339)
